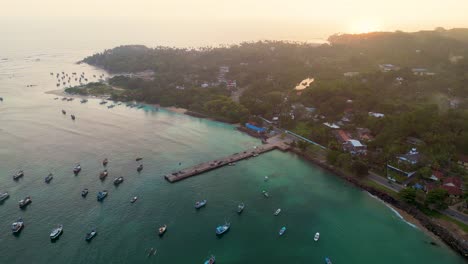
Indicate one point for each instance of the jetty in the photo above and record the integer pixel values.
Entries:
(215, 164)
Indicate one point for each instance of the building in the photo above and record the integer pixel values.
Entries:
(412, 157)
(254, 127)
(364, 134)
(436, 175)
(463, 162)
(332, 125)
(231, 84)
(453, 185)
(355, 147)
(341, 136)
(378, 115)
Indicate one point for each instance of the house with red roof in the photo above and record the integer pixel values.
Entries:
(453, 185)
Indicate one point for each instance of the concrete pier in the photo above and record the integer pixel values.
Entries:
(214, 164)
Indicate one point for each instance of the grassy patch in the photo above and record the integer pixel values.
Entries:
(379, 187)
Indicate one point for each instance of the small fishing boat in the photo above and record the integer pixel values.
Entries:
(77, 169)
(328, 260)
(140, 168)
(4, 196)
(84, 192)
(56, 232)
(265, 193)
(83, 100)
(240, 208)
(104, 162)
(211, 260)
(64, 112)
(255, 155)
(103, 102)
(278, 211)
(231, 164)
(73, 117)
(17, 226)
(103, 174)
(90, 235)
(266, 178)
(200, 204)
(111, 106)
(18, 175)
(282, 230)
(162, 230)
(317, 236)
(49, 178)
(222, 229)
(138, 159)
(118, 180)
(101, 195)
(24, 202)
(134, 199)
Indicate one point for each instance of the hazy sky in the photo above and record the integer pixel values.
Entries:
(200, 22)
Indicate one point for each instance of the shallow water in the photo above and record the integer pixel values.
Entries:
(36, 137)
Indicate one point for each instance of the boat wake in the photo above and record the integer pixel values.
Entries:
(393, 210)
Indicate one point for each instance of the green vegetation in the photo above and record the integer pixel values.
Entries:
(437, 199)
(408, 195)
(95, 88)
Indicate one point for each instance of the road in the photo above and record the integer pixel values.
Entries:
(385, 182)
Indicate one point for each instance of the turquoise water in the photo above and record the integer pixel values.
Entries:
(36, 137)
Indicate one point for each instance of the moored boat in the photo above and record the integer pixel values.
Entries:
(266, 178)
(91, 235)
(18, 175)
(328, 260)
(278, 211)
(134, 199)
(17, 226)
(223, 228)
(56, 232)
(101, 195)
(104, 162)
(103, 102)
(103, 174)
(140, 168)
(240, 208)
(118, 180)
(73, 117)
(64, 112)
(4, 196)
(111, 106)
(138, 159)
(24, 202)
(83, 101)
(211, 260)
(200, 204)
(317, 236)
(84, 192)
(77, 169)
(162, 230)
(282, 230)
(265, 193)
(49, 178)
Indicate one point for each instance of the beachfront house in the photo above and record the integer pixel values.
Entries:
(436, 175)
(388, 67)
(412, 157)
(341, 136)
(364, 134)
(355, 147)
(377, 115)
(422, 72)
(453, 186)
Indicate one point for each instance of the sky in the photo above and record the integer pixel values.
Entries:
(200, 22)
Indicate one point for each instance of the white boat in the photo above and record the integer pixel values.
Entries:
(4, 196)
(266, 178)
(317, 236)
(278, 211)
(265, 193)
(17, 226)
(134, 199)
(56, 232)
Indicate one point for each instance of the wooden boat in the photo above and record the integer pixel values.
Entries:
(162, 230)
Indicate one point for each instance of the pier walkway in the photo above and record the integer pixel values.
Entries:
(214, 164)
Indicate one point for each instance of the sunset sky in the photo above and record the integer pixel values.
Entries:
(222, 21)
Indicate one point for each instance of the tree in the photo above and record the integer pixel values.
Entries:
(408, 195)
(425, 172)
(359, 168)
(302, 145)
(436, 198)
(332, 156)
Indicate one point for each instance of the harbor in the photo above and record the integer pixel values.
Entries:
(225, 161)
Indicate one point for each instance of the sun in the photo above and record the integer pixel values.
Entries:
(364, 26)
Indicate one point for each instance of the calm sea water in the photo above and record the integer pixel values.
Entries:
(36, 137)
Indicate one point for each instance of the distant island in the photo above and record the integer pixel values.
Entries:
(392, 103)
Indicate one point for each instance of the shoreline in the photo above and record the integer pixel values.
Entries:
(409, 213)
(61, 92)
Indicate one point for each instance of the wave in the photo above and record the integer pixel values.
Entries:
(393, 210)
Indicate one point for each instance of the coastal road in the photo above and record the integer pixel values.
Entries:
(455, 214)
(382, 181)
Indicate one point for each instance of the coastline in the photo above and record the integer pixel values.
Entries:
(409, 213)
(61, 92)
